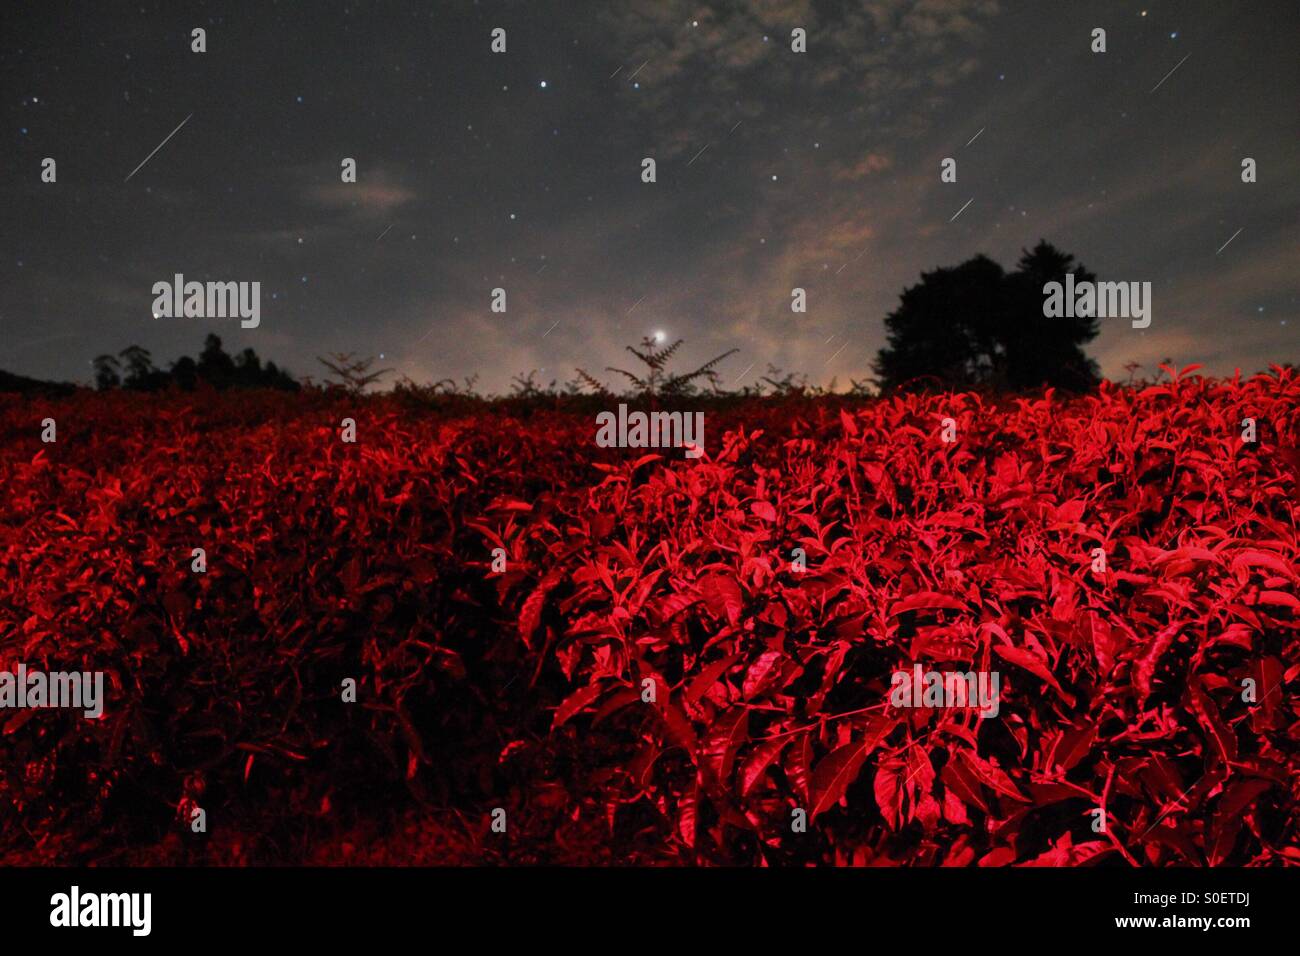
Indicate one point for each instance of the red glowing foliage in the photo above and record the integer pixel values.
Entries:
(631, 575)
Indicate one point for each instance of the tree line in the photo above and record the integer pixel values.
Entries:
(970, 326)
(133, 368)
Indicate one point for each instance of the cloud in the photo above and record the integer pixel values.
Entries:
(868, 164)
(376, 193)
(738, 63)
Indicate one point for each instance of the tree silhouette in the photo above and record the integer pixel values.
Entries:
(214, 368)
(140, 372)
(977, 326)
(108, 372)
(185, 373)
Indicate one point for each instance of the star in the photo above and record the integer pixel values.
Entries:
(543, 84)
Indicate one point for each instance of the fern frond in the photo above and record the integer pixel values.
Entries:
(639, 383)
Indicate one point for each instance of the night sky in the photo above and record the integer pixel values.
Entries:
(523, 170)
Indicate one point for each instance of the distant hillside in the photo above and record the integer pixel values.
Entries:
(10, 382)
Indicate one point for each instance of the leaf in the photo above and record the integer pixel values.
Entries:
(1279, 599)
(1035, 665)
(839, 768)
(574, 703)
(688, 815)
(509, 504)
(615, 702)
(797, 761)
(1073, 745)
(954, 811)
(703, 682)
(758, 762)
(999, 856)
(1065, 854)
(764, 510)
(1107, 642)
(888, 787)
(1211, 721)
(849, 425)
(675, 604)
(680, 730)
(1228, 817)
(926, 601)
(761, 673)
(530, 615)
(722, 594)
(961, 781)
(991, 775)
(723, 740)
(1262, 559)
(1146, 666)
